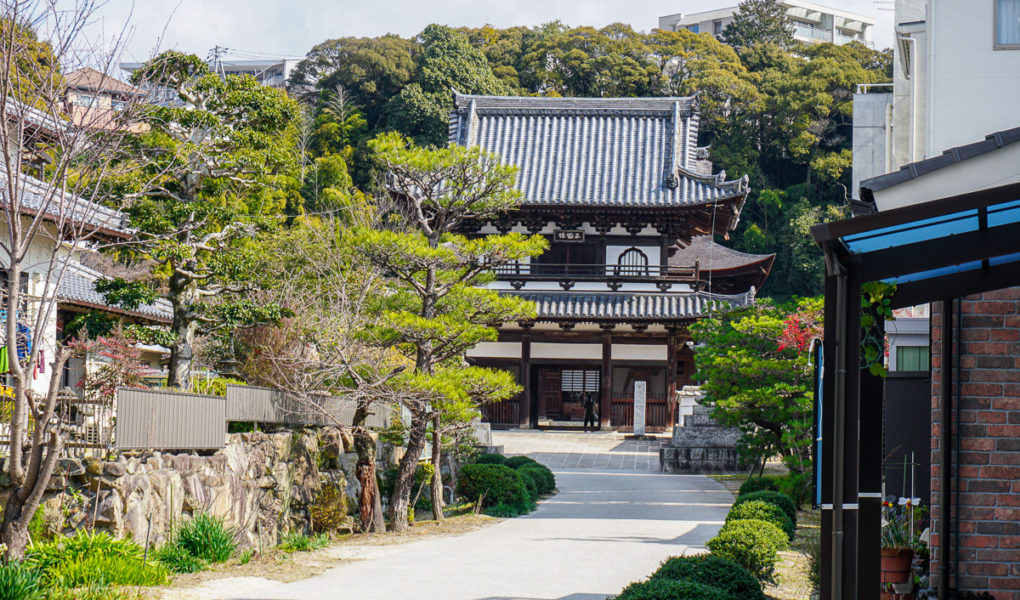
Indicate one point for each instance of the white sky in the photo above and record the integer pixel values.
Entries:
(292, 27)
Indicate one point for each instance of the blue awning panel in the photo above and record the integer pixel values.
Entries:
(911, 233)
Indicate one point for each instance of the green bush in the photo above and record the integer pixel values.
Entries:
(757, 484)
(93, 559)
(494, 484)
(712, 571)
(516, 462)
(671, 589)
(798, 486)
(18, 581)
(177, 559)
(329, 509)
(489, 459)
(752, 544)
(507, 511)
(543, 477)
(529, 477)
(763, 511)
(206, 537)
(779, 499)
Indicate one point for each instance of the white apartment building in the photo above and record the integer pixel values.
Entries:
(812, 23)
(955, 67)
(271, 72)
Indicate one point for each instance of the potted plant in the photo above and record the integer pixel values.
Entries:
(901, 530)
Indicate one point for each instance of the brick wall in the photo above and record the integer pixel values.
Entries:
(988, 513)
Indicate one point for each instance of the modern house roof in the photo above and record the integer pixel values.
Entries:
(595, 152)
(630, 306)
(950, 157)
(93, 80)
(78, 288)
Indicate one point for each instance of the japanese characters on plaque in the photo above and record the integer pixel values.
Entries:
(568, 235)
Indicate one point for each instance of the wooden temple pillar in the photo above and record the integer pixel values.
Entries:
(606, 385)
(671, 377)
(524, 406)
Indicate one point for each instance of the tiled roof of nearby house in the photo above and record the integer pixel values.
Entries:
(630, 306)
(93, 80)
(66, 208)
(78, 288)
(951, 156)
(711, 256)
(609, 152)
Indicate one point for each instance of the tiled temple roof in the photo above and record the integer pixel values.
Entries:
(630, 306)
(711, 256)
(603, 152)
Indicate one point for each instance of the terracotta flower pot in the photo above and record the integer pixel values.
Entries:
(896, 564)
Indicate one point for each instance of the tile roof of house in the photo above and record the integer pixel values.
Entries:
(91, 79)
(611, 152)
(711, 256)
(58, 206)
(630, 306)
(78, 288)
(992, 141)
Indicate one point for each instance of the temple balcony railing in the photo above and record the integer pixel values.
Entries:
(614, 275)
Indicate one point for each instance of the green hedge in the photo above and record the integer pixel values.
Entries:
(671, 589)
(543, 477)
(529, 477)
(752, 544)
(489, 459)
(763, 511)
(517, 462)
(495, 484)
(781, 500)
(758, 484)
(713, 571)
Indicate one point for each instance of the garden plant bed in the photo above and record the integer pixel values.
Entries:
(794, 578)
(280, 566)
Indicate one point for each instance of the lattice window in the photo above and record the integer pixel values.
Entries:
(576, 380)
(633, 262)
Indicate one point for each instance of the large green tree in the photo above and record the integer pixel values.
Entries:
(754, 366)
(211, 165)
(447, 63)
(437, 306)
(757, 22)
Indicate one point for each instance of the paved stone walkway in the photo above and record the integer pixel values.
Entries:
(613, 521)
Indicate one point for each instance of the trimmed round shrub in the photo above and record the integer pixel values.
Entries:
(781, 500)
(752, 544)
(494, 484)
(517, 462)
(543, 477)
(713, 571)
(757, 484)
(489, 459)
(671, 589)
(530, 479)
(763, 511)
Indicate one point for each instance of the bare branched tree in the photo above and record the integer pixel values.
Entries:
(320, 357)
(52, 155)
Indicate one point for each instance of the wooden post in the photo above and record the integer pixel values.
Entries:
(524, 406)
(606, 388)
(671, 377)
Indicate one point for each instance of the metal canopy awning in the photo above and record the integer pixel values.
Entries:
(933, 251)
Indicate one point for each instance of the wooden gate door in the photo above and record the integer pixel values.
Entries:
(550, 395)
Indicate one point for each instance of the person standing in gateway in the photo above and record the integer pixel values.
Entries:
(590, 416)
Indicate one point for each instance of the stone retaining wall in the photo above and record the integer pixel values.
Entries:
(260, 483)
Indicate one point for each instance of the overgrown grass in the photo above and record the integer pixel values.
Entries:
(299, 542)
(93, 560)
(20, 582)
(196, 543)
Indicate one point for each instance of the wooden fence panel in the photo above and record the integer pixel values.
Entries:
(168, 420)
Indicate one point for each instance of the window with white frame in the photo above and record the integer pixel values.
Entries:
(1007, 24)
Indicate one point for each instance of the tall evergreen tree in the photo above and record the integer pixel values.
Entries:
(759, 22)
